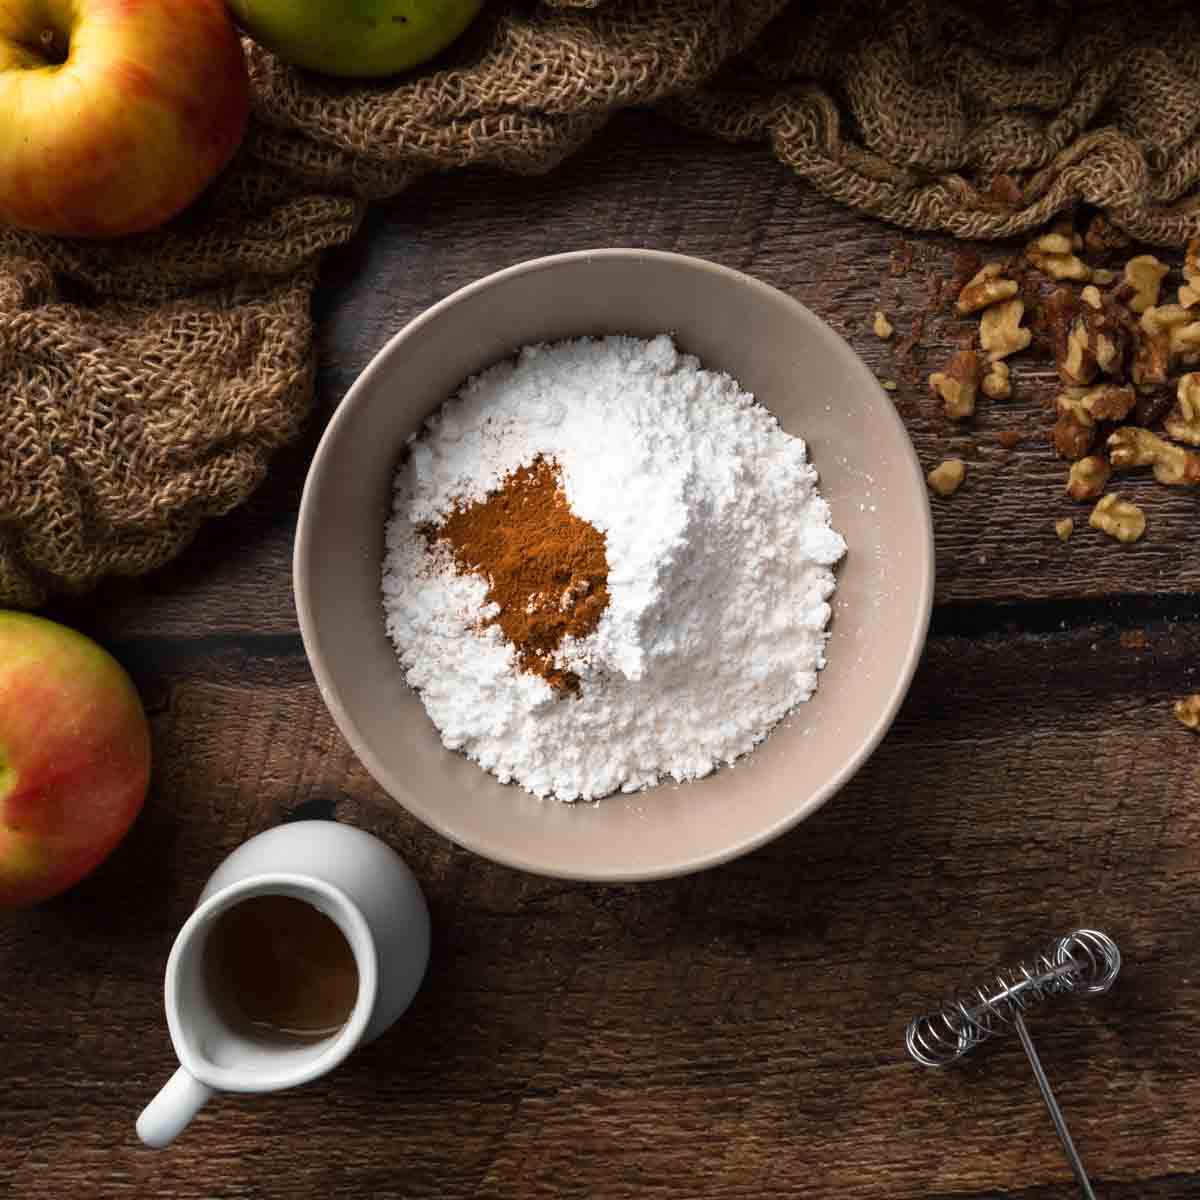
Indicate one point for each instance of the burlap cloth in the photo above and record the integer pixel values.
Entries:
(146, 382)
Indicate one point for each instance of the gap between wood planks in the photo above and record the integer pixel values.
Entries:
(957, 619)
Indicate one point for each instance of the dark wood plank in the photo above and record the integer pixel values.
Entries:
(644, 183)
(736, 1034)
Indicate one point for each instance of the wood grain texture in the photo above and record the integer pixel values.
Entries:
(732, 1034)
(644, 183)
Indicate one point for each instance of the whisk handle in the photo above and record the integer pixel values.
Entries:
(1056, 1116)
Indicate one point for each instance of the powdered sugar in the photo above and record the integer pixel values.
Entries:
(719, 569)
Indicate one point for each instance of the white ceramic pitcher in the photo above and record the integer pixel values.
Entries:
(354, 879)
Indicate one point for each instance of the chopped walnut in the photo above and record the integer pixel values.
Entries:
(1119, 518)
(1151, 358)
(1187, 711)
(1064, 528)
(958, 384)
(1078, 364)
(1103, 276)
(1110, 330)
(997, 383)
(1000, 330)
(1091, 296)
(1131, 447)
(1108, 402)
(882, 326)
(1164, 317)
(1102, 238)
(1189, 295)
(1185, 342)
(1087, 338)
(1058, 264)
(946, 478)
(1183, 421)
(1078, 411)
(1179, 326)
(1144, 274)
(1088, 477)
(986, 288)
(1074, 431)
(1059, 310)
(1058, 241)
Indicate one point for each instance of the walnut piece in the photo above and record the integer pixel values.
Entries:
(1108, 402)
(986, 288)
(1057, 241)
(1064, 528)
(1185, 342)
(1091, 296)
(882, 326)
(1189, 296)
(996, 383)
(1047, 254)
(1087, 337)
(1132, 446)
(958, 384)
(1178, 326)
(946, 478)
(1144, 274)
(1074, 431)
(1119, 518)
(1000, 330)
(1078, 364)
(1103, 276)
(1078, 411)
(1183, 421)
(1088, 477)
(1187, 711)
(1161, 318)
(1151, 358)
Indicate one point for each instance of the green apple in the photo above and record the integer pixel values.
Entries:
(359, 38)
(74, 757)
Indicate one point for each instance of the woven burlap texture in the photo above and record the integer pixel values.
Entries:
(146, 382)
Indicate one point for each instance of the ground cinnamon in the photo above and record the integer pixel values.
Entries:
(546, 568)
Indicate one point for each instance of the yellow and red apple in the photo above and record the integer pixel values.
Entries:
(356, 38)
(115, 114)
(74, 757)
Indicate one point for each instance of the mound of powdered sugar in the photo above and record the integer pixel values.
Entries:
(719, 555)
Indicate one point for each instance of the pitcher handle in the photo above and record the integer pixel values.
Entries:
(167, 1115)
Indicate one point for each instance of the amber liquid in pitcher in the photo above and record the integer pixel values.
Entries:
(283, 966)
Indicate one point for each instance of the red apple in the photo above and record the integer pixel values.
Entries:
(74, 757)
(114, 114)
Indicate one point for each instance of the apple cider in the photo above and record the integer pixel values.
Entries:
(282, 966)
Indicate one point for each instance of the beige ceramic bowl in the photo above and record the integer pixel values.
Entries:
(817, 387)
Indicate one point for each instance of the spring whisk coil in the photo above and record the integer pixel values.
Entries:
(1085, 962)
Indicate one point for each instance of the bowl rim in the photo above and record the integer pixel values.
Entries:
(303, 553)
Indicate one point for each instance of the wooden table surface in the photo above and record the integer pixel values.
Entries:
(737, 1033)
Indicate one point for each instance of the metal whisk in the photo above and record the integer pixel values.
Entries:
(1085, 962)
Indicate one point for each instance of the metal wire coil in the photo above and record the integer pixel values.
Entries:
(1085, 962)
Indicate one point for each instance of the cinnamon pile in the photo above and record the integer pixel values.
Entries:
(546, 568)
